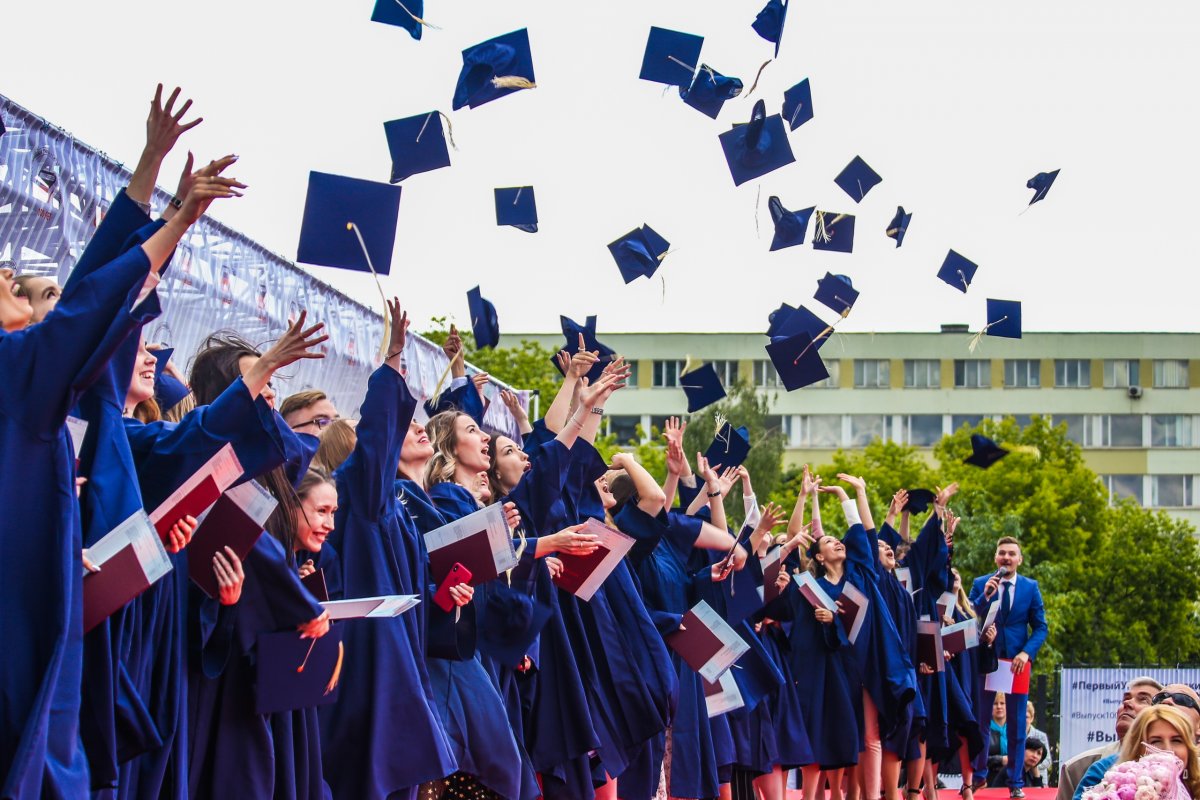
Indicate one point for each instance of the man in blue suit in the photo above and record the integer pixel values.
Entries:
(1020, 633)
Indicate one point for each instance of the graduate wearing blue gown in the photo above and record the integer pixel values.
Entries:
(904, 742)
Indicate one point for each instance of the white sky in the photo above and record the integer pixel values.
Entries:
(956, 103)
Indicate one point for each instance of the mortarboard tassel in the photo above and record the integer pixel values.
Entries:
(304, 663)
(449, 128)
(982, 332)
(757, 205)
(520, 532)
(683, 64)
(828, 330)
(387, 321)
(513, 82)
(337, 670)
(415, 18)
(823, 234)
(754, 85)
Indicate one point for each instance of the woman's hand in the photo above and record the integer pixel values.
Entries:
(944, 495)
(859, 484)
(708, 473)
(728, 479)
(480, 381)
(835, 490)
(554, 566)
(462, 594)
(571, 541)
(676, 460)
(399, 328)
(949, 523)
(823, 615)
(314, 628)
(164, 125)
(899, 501)
(87, 562)
(582, 360)
(307, 568)
(180, 534)
(621, 460)
(202, 195)
(744, 475)
(989, 634)
(673, 430)
(807, 484)
(228, 569)
(512, 516)
(770, 517)
(296, 343)
(563, 359)
(925, 669)
(513, 404)
(188, 179)
(593, 395)
(782, 580)
(801, 541)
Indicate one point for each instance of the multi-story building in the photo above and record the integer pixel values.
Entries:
(1131, 400)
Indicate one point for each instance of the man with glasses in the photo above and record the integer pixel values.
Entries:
(1139, 693)
(310, 411)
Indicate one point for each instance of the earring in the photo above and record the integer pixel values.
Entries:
(1185, 773)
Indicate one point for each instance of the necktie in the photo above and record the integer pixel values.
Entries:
(1005, 599)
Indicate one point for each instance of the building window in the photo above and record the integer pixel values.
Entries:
(1022, 373)
(1172, 491)
(834, 368)
(1123, 486)
(924, 430)
(1170, 373)
(624, 427)
(970, 420)
(1121, 373)
(821, 430)
(632, 380)
(666, 373)
(1121, 430)
(727, 371)
(872, 373)
(1078, 429)
(972, 373)
(765, 376)
(922, 373)
(1170, 430)
(781, 424)
(866, 428)
(1072, 373)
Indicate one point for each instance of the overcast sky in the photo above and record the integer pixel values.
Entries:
(955, 103)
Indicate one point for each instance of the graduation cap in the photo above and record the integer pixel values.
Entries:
(671, 57)
(984, 452)
(790, 226)
(294, 673)
(493, 69)
(834, 232)
(484, 322)
(709, 91)
(417, 144)
(919, 500)
(757, 147)
(787, 321)
(511, 623)
(836, 292)
(1003, 318)
(516, 207)
(797, 104)
(797, 361)
(571, 330)
(639, 253)
(957, 271)
(857, 179)
(729, 447)
(168, 390)
(769, 22)
(405, 15)
(334, 203)
(702, 387)
(898, 226)
(1041, 184)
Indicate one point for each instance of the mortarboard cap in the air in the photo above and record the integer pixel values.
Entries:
(671, 57)
(294, 673)
(1003, 318)
(797, 361)
(834, 232)
(797, 104)
(484, 322)
(417, 144)
(168, 390)
(857, 179)
(511, 624)
(333, 203)
(757, 147)
(571, 330)
(702, 387)
(919, 500)
(729, 447)
(790, 226)
(769, 22)
(517, 208)
(787, 321)
(709, 91)
(836, 292)
(639, 253)
(957, 271)
(1041, 184)
(493, 69)
(984, 452)
(406, 14)
(899, 226)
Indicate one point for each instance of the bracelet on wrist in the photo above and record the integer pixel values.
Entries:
(717, 493)
(176, 202)
(598, 410)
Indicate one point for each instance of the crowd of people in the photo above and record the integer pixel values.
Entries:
(513, 688)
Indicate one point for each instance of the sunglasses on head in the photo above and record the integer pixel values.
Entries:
(1178, 698)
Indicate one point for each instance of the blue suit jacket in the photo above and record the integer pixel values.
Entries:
(1025, 627)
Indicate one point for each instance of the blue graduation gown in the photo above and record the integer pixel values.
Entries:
(904, 741)
(384, 735)
(47, 367)
(961, 670)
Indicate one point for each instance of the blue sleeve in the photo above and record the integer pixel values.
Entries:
(464, 398)
(1037, 621)
(369, 474)
(928, 557)
(976, 598)
(861, 550)
(291, 604)
(1093, 776)
(682, 532)
(123, 218)
(890, 536)
(541, 488)
(646, 531)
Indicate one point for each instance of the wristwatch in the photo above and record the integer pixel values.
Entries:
(598, 410)
(176, 203)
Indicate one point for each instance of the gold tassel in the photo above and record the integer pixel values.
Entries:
(983, 331)
(513, 82)
(520, 552)
(387, 320)
(449, 130)
(415, 18)
(337, 670)
(437, 390)
(756, 77)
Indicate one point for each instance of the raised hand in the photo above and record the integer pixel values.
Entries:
(673, 430)
(807, 483)
(859, 484)
(563, 359)
(944, 495)
(582, 360)
(203, 193)
(164, 125)
(453, 345)
(801, 541)
(676, 460)
(228, 569)
(728, 479)
(782, 580)
(399, 328)
(899, 501)
(513, 404)
(480, 380)
(180, 534)
(744, 474)
(834, 490)
(771, 516)
(296, 343)
(708, 473)
(188, 179)
(949, 523)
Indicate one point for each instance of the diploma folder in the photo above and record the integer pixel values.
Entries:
(772, 564)
(853, 613)
(382, 607)
(706, 642)
(1005, 680)
(960, 636)
(481, 542)
(583, 575)
(199, 492)
(236, 520)
(131, 558)
(723, 696)
(929, 644)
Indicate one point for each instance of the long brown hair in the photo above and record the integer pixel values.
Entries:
(442, 431)
(337, 443)
(1132, 745)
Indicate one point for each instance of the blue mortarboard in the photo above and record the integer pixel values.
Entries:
(790, 226)
(984, 452)
(836, 292)
(757, 147)
(834, 232)
(168, 390)
(709, 91)
(729, 447)
(517, 208)
(857, 179)
(899, 226)
(405, 15)
(417, 144)
(1003, 318)
(919, 500)
(702, 387)
(484, 322)
(334, 201)
(1041, 184)
(493, 69)
(787, 321)
(571, 330)
(769, 22)
(639, 253)
(957, 271)
(797, 361)
(797, 105)
(294, 673)
(671, 57)
(464, 397)
(510, 625)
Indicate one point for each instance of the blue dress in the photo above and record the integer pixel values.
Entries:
(47, 367)
(384, 735)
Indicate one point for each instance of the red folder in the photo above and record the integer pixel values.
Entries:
(706, 643)
(929, 645)
(771, 567)
(583, 575)
(481, 542)
(853, 610)
(199, 492)
(315, 583)
(131, 560)
(236, 520)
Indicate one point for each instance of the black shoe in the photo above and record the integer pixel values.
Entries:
(1016, 793)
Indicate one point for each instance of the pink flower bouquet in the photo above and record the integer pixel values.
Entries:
(1154, 776)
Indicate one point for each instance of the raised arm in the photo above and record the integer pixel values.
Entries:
(517, 410)
(164, 126)
(592, 398)
(861, 501)
(649, 493)
(677, 463)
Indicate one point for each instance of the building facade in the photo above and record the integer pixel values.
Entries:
(1130, 400)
